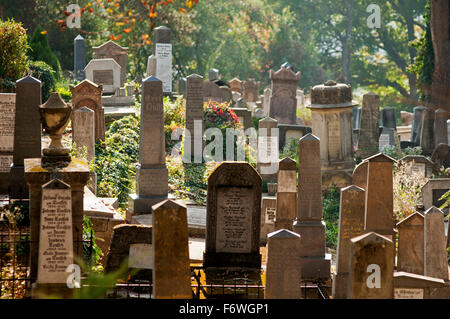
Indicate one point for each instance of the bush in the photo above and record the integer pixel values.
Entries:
(40, 50)
(44, 72)
(13, 58)
(330, 200)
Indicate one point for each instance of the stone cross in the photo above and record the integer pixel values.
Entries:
(435, 256)
(368, 129)
(286, 194)
(193, 139)
(171, 271)
(411, 244)
(351, 224)
(372, 267)
(79, 58)
(283, 274)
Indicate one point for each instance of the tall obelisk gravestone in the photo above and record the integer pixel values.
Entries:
(162, 50)
(193, 138)
(79, 58)
(309, 224)
(368, 130)
(27, 133)
(152, 174)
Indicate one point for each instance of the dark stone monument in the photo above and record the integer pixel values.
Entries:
(416, 129)
(79, 58)
(388, 117)
(427, 136)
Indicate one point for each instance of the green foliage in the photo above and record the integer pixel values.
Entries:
(40, 50)
(44, 72)
(392, 151)
(330, 200)
(91, 252)
(62, 88)
(290, 150)
(13, 48)
(174, 114)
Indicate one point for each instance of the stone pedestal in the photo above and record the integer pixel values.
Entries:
(76, 175)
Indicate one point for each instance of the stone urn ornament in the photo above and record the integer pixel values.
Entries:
(55, 114)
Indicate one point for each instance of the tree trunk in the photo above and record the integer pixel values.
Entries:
(440, 33)
(346, 50)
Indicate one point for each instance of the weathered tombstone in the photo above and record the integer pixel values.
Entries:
(416, 130)
(267, 164)
(441, 155)
(213, 75)
(27, 133)
(182, 84)
(435, 256)
(331, 114)
(152, 173)
(216, 93)
(433, 190)
(88, 94)
(411, 244)
(388, 117)
(286, 194)
(300, 98)
(440, 127)
(407, 118)
(250, 90)
(7, 111)
(105, 72)
(171, 271)
(283, 274)
(162, 50)
(268, 213)
(193, 139)
(359, 176)
(151, 65)
(379, 211)
(309, 224)
(414, 286)
(368, 130)
(233, 217)
(283, 100)
(387, 137)
(111, 50)
(289, 132)
(427, 136)
(372, 267)
(79, 58)
(351, 224)
(266, 101)
(236, 85)
(418, 164)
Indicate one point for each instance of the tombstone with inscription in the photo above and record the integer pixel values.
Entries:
(433, 190)
(283, 100)
(417, 164)
(162, 50)
(427, 136)
(7, 111)
(368, 129)
(233, 217)
(268, 213)
(27, 133)
(411, 244)
(371, 268)
(212, 91)
(193, 138)
(111, 50)
(414, 286)
(416, 127)
(283, 272)
(267, 164)
(309, 224)
(387, 138)
(435, 246)
(152, 173)
(359, 176)
(236, 85)
(171, 271)
(105, 72)
(286, 194)
(79, 58)
(88, 94)
(250, 90)
(351, 224)
(331, 114)
(440, 127)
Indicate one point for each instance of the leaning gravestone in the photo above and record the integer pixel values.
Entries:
(368, 130)
(79, 58)
(7, 111)
(171, 271)
(233, 217)
(435, 257)
(27, 133)
(286, 194)
(372, 267)
(193, 139)
(283, 274)
(411, 244)
(351, 224)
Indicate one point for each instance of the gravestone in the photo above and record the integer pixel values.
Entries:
(435, 256)
(193, 139)
(309, 224)
(433, 190)
(283, 100)
(83, 130)
(8, 113)
(414, 286)
(300, 98)
(216, 93)
(388, 117)
(288, 132)
(351, 224)
(105, 72)
(182, 85)
(171, 271)
(233, 217)
(286, 194)
(79, 58)
(55, 233)
(162, 50)
(151, 65)
(357, 117)
(236, 85)
(416, 130)
(407, 118)
(359, 177)
(411, 244)
(152, 173)
(417, 164)
(245, 117)
(379, 211)
(283, 272)
(88, 94)
(331, 115)
(27, 133)
(372, 267)
(427, 136)
(368, 130)
(111, 50)
(441, 155)
(266, 100)
(440, 127)
(267, 164)
(250, 90)
(387, 137)
(268, 214)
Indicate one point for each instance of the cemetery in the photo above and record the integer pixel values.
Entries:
(139, 162)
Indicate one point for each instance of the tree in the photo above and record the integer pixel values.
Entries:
(40, 50)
